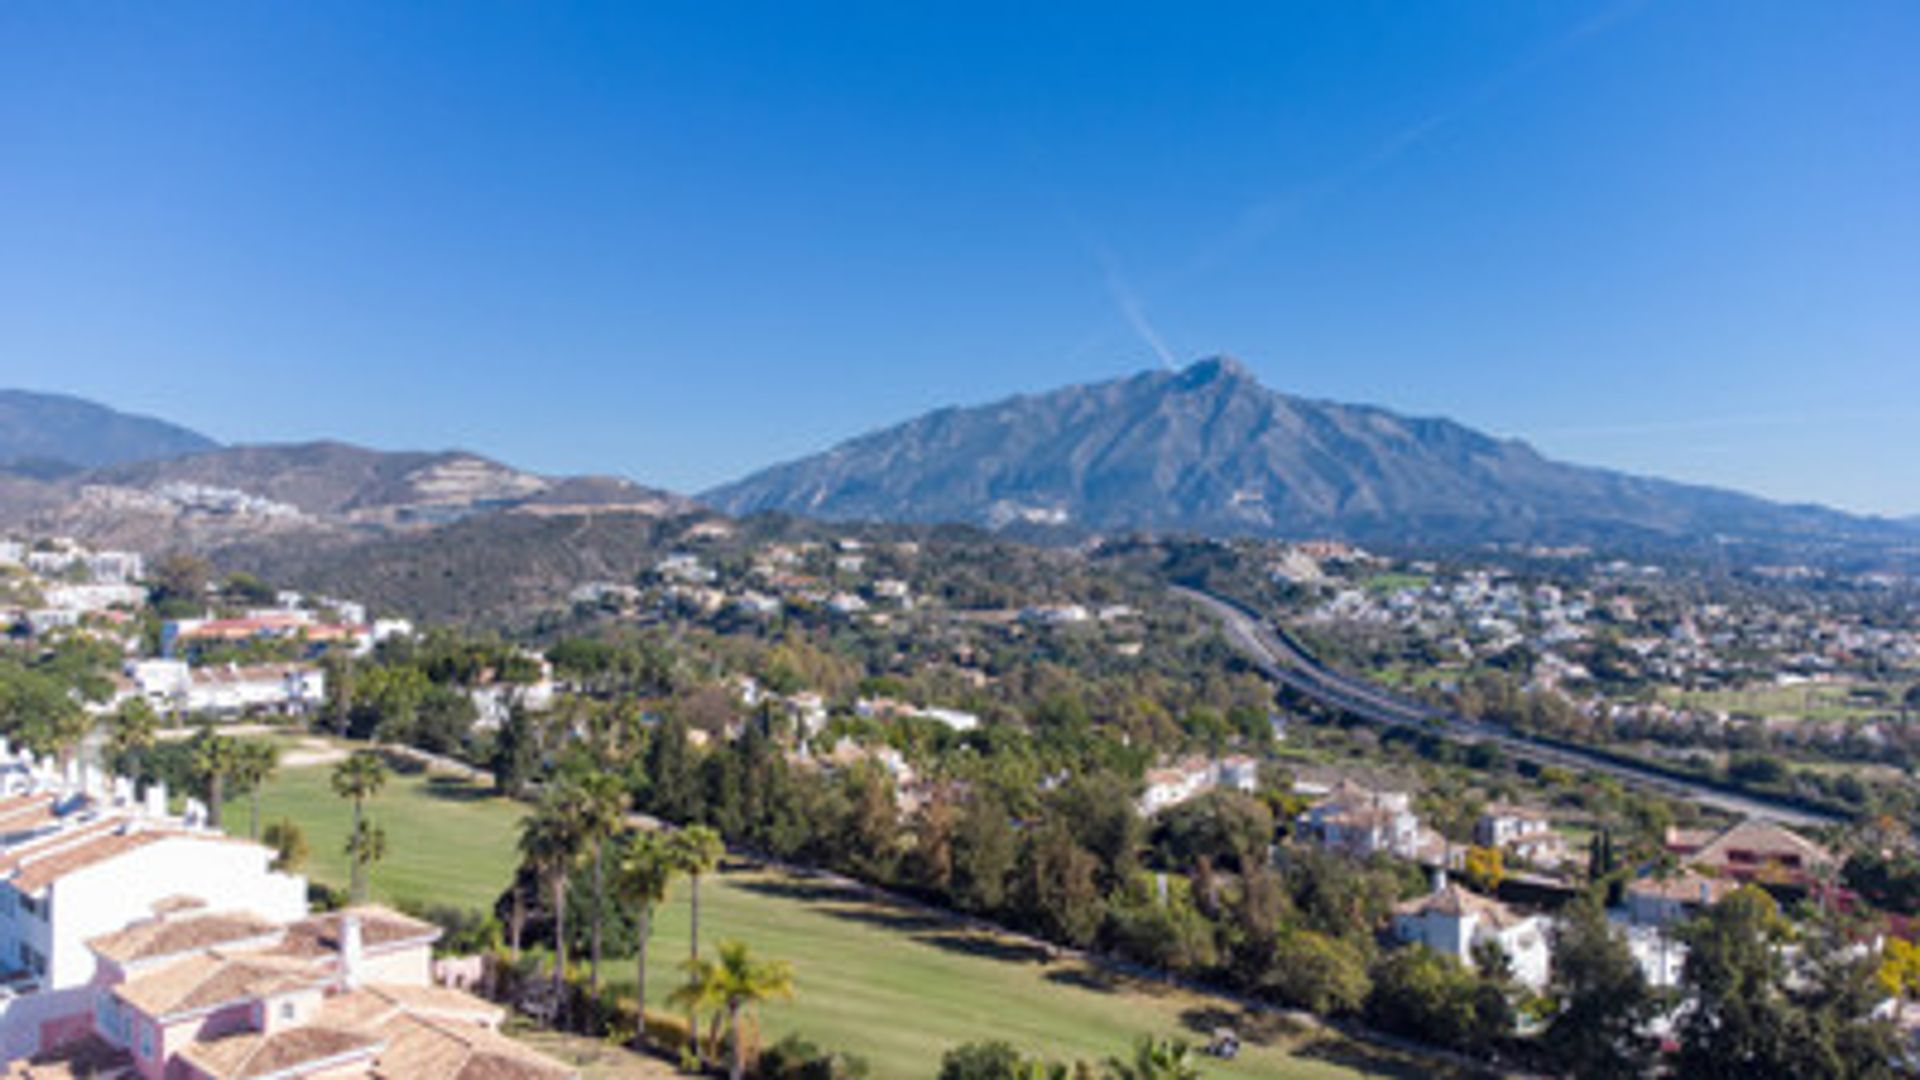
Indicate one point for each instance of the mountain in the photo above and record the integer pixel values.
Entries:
(39, 433)
(311, 494)
(1209, 450)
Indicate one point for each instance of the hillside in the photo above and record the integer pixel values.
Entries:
(323, 504)
(44, 431)
(1209, 450)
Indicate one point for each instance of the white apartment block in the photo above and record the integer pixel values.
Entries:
(80, 856)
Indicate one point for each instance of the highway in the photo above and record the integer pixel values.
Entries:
(1285, 662)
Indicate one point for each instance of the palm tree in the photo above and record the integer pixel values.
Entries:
(551, 839)
(603, 805)
(360, 777)
(1156, 1059)
(732, 985)
(131, 734)
(641, 878)
(695, 851)
(255, 761)
(365, 846)
(214, 759)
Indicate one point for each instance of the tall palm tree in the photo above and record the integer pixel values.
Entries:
(551, 840)
(603, 807)
(1156, 1059)
(731, 986)
(360, 777)
(696, 850)
(214, 758)
(255, 761)
(367, 845)
(641, 877)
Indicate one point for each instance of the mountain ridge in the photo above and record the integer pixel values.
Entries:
(42, 430)
(1208, 449)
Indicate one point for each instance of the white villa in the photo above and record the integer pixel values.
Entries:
(1363, 821)
(1454, 921)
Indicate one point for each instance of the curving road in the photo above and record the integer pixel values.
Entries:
(1282, 660)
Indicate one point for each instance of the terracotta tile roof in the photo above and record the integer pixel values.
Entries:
(380, 928)
(1763, 839)
(1686, 888)
(1457, 902)
(159, 938)
(249, 1054)
(423, 1049)
(41, 872)
(18, 855)
(433, 1033)
(212, 979)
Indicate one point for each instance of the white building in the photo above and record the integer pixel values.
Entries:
(1454, 921)
(1183, 780)
(1501, 824)
(81, 857)
(1361, 821)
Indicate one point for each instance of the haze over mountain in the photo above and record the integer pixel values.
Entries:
(44, 434)
(1209, 450)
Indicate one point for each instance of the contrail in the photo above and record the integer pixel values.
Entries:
(1125, 299)
(1264, 217)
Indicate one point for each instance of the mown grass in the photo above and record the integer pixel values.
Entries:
(892, 983)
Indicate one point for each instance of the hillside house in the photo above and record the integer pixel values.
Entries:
(1455, 921)
(1756, 851)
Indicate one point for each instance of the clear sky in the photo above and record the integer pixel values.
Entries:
(679, 241)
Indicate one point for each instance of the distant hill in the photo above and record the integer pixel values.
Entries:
(314, 494)
(39, 433)
(1209, 450)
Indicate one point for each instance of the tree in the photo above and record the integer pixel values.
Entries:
(695, 851)
(551, 840)
(130, 735)
(359, 778)
(1059, 893)
(254, 763)
(516, 752)
(1740, 1022)
(1432, 996)
(1156, 1059)
(673, 793)
(1322, 974)
(1484, 868)
(215, 758)
(1899, 970)
(366, 845)
(289, 843)
(180, 584)
(603, 805)
(985, 849)
(733, 985)
(642, 874)
(996, 1060)
(1602, 1000)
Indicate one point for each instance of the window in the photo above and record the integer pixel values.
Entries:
(146, 1040)
(286, 1010)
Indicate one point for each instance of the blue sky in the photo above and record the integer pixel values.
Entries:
(679, 241)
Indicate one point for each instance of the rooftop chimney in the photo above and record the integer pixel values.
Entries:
(350, 950)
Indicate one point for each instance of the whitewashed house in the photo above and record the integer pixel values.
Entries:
(1455, 921)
